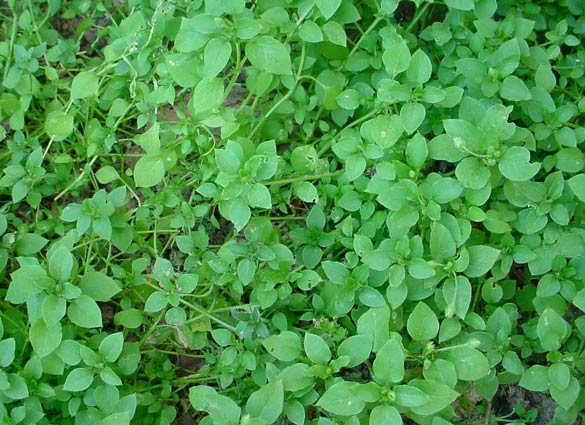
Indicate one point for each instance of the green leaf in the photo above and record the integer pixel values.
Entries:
(180, 67)
(45, 339)
(237, 211)
(416, 151)
(111, 346)
(216, 56)
(246, 270)
(396, 58)
(376, 323)
(559, 375)
(227, 161)
(420, 269)
(59, 125)
(566, 397)
(285, 347)
(515, 164)
(350, 201)
(29, 244)
(310, 32)
(570, 160)
(84, 84)
(221, 409)
(513, 88)
(442, 243)
(98, 286)
(155, 302)
(83, 311)
(467, 133)
(357, 348)
(551, 329)
(316, 349)
(131, 318)
(79, 379)
(422, 323)
(409, 396)
(458, 293)
(577, 185)
(269, 54)
(195, 32)
(110, 377)
(149, 171)
(512, 363)
(339, 399)
(207, 95)
(385, 415)
(440, 396)
(20, 190)
(176, 316)
(377, 259)
(17, 389)
(7, 349)
(420, 68)
(545, 78)
(481, 260)
(295, 377)
(460, 4)
(328, 7)
(412, 115)
(507, 57)
(102, 227)
(355, 167)
(472, 174)
(53, 309)
(470, 364)
(335, 33)
(267, 403)
(579, 300)
(535, 378)
(433, 94)
(259, 196)
(107, 174)
(120, 418)
(348, 99)
(388, 7)
(149, 141)
(304, 159)
(306, 192)
(389, 363)
(443, 148)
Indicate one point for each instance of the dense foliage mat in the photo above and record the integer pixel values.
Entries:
(292, 211)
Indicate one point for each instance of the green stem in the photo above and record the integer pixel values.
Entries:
(365, 34)
(11, 44)
(151, 329)
(173, 353)
(303, 178)
(283, 98)
(300, 21)
(581, 349)
(78, 179)
(52, 139)
(418, 16)
(350, 125)
(16, 325)
(196, 308)
(245, 102)
(210, 316)
(237, 71)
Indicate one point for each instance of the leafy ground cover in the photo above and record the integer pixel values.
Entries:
(292, 211)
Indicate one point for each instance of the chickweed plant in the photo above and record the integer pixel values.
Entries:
(323, 212)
